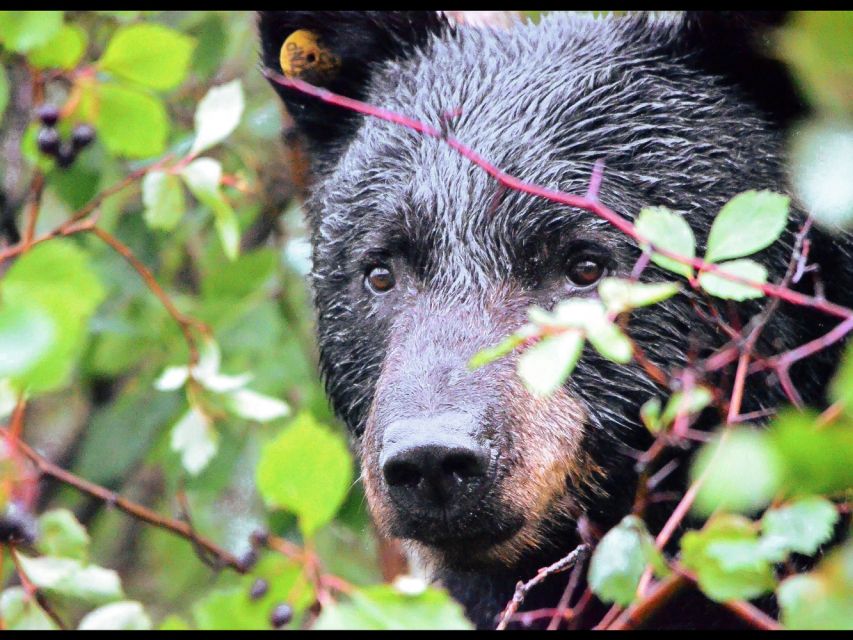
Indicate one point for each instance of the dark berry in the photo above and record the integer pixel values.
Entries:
(82, 135)
(65, 157)
(259, 537)
(48, 114)
(17, 525)
(281, 615)
(259, 589)
(48, 141)
(248, 560)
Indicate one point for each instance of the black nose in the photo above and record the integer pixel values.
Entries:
(432, 465)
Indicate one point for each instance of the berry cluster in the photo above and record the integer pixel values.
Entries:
(50, 142)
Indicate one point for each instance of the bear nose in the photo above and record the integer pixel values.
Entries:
(434, 467)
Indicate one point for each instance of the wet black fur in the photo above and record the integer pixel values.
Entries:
(682, 111)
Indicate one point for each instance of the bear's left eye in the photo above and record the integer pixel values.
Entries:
(585, 271)
(380, 279)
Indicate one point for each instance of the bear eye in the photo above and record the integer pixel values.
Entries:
(380, 279)
(585, 271)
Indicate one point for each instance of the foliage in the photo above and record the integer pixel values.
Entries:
(155, 338)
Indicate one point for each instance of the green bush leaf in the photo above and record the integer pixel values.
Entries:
(817, 460)
(195, 439)
(749, 222)
(127, 615)
(255, 406)
(546, 365)
(132, 123)
(217, 115)
(383, 607)
(60, 534)
(149, 54)
(21, 31)
(726, 486)
(4, 92)
(22, 612)
(73, 579)
(307, 470)
(726, 558)
(722, 287)
(54, 277)
(163, 197)
(619, 295)
(26, 334)
(668, 230)
(820, 599)
(202, 177)
(821, 166)
(801, 526)
(620, 559)
(63, 51)
(690, 403)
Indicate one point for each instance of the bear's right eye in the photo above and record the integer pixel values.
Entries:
(380, 279)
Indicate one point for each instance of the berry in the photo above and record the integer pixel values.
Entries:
(259, 537)
(248, 560)
(48, 141)
(259, 589)
(17, 525)
(48, 114)
(65, 157)
(82, 136)
(281, 615)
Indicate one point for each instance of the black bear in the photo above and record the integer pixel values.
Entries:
(420, 259)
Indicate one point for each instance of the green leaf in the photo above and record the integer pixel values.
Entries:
(726, 558)
(56, 278)
(26, 335)
(726, 486)
(73, 579)
(127, 615)
(620, 559)
(195, 439)
(801, 526)
(668, 230)
(820, 599)
(690, 403)
(609, 341)
(132, 123)
(21, 612)
(202, 177)
(149, 54)
(306, 470)
(821, 166)
(650, 415)
(4, 91)
(722, 287)
(817, 460)
(60, 534)
(619, 295)
(749, 222)
(163, 197)
(21, 31)
(545, 366)
(63, 51)
(232, 609)
(841, 387)
(255, 406)
(384, 607)
(503, 348)
(217, 115)
(817, 46)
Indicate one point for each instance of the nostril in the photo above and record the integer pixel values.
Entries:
(400, 473)
(463, 465)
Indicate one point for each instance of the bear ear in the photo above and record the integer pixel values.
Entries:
(739, 46)
(337, 50)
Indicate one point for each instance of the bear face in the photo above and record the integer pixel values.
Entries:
(420, 259)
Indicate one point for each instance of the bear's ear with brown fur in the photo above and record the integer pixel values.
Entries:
(739, 46)
(337, 50)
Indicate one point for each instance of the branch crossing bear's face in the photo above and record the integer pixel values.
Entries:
(421, 259)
